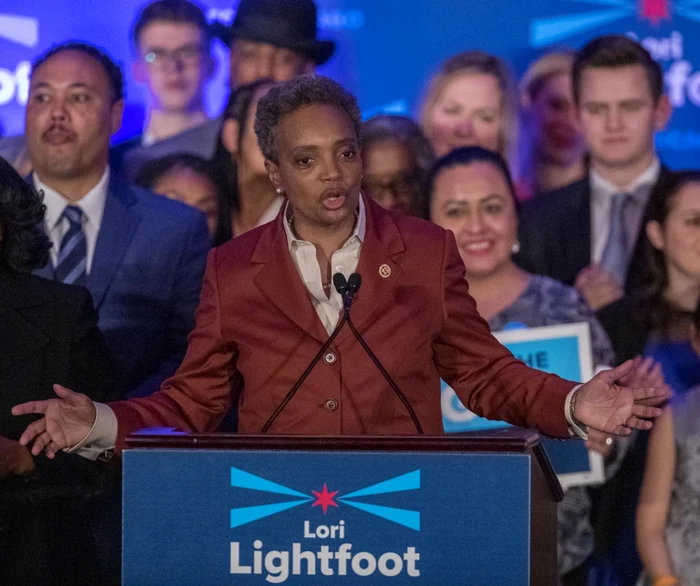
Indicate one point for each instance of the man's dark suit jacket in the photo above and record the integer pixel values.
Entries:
(48, 334)
(555, 235)
(145, 280)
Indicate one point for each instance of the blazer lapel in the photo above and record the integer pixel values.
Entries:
(119, 223)
(280, 283)
(378, 268)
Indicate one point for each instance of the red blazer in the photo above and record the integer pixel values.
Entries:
(256, 319)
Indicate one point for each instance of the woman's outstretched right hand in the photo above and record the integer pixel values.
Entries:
(66, 421)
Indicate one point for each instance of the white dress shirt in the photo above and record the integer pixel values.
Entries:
(272, 210)
(602, 192)
(92, 206)
(344, 260)
(103, 434)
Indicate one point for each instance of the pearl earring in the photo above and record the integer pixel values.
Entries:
(279, 191)
(515, 249)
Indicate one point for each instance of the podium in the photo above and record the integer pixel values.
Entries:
(235, 509)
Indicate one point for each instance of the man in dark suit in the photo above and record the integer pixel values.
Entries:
(48, 332)
(140, 255)
(591, 234)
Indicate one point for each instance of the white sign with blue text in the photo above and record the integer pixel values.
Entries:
(564, 350)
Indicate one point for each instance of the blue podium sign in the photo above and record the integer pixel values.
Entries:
(564, 350)
(307, 517)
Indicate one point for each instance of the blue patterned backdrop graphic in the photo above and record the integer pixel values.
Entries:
(386, 49)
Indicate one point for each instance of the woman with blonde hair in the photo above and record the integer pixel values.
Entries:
(552, 150)
(471, 102)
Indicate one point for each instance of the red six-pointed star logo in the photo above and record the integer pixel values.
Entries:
(324, 499)
(655, 10)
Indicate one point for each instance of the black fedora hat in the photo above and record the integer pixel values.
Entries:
(284, 23)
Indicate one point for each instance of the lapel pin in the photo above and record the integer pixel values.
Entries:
(385, 271)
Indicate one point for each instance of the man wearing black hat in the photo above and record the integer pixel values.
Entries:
(273, 39)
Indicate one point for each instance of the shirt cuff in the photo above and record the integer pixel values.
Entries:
(576, 429)
(102, 435)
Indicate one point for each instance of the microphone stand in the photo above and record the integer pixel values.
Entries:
(347, 290)
(388, 378)
(353, 286)
(341, 286)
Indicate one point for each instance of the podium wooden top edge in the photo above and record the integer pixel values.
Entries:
(513, 440)
(507, 440)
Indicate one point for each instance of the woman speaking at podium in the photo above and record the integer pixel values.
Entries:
(268, 305)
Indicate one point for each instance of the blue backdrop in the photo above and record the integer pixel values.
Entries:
(387, 48)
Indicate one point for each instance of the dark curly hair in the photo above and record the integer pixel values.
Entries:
(288, 97)
(23, 244)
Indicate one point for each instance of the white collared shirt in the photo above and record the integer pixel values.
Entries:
(344, 260)
(602, 192)
(92, 205)
(272, 210)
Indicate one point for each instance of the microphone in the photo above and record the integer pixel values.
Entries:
(354, 283)
(353, 286)
(347, 289)
(342, 286)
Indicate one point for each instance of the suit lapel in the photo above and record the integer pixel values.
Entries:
(280, 282)
(575, 252)
(635, 272)
(119, 223)
(379, 270)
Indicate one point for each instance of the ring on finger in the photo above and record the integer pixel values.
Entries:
(608, 441)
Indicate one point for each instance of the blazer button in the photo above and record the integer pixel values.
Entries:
(330, 358)
(330, 405)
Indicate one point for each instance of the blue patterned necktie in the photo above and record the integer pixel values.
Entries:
(71, 266)
(616, 254)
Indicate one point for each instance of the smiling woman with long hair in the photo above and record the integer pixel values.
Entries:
(472, 194)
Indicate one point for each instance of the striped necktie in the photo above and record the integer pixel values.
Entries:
(617, 249)
(71, 267)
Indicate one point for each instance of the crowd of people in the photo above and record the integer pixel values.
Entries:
(560, 208)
